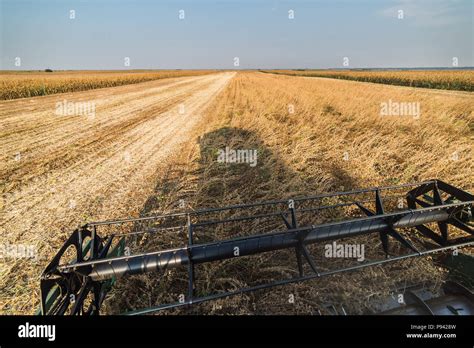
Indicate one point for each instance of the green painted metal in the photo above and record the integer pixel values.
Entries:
(55, 292)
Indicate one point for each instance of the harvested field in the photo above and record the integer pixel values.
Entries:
(334, 139)
(16, 85)
(60, 171)
(141, 154)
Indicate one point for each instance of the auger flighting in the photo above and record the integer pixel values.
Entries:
(101, 261)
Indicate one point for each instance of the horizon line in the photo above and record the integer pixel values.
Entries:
(243, 69)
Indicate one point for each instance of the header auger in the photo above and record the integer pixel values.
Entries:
(436, 214)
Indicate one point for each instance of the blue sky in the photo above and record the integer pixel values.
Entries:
(213, 32)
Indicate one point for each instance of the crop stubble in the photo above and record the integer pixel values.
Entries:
(303, 152)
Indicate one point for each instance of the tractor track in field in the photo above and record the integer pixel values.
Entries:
(58, 171)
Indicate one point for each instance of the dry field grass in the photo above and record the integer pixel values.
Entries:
(461, 80)
(303, 153)
(72, 169)
(333, 138)
(21, 84)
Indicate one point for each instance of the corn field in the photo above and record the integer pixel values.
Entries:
(460, 80)
(24, 84)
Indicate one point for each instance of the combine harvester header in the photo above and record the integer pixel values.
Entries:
(441, 213)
